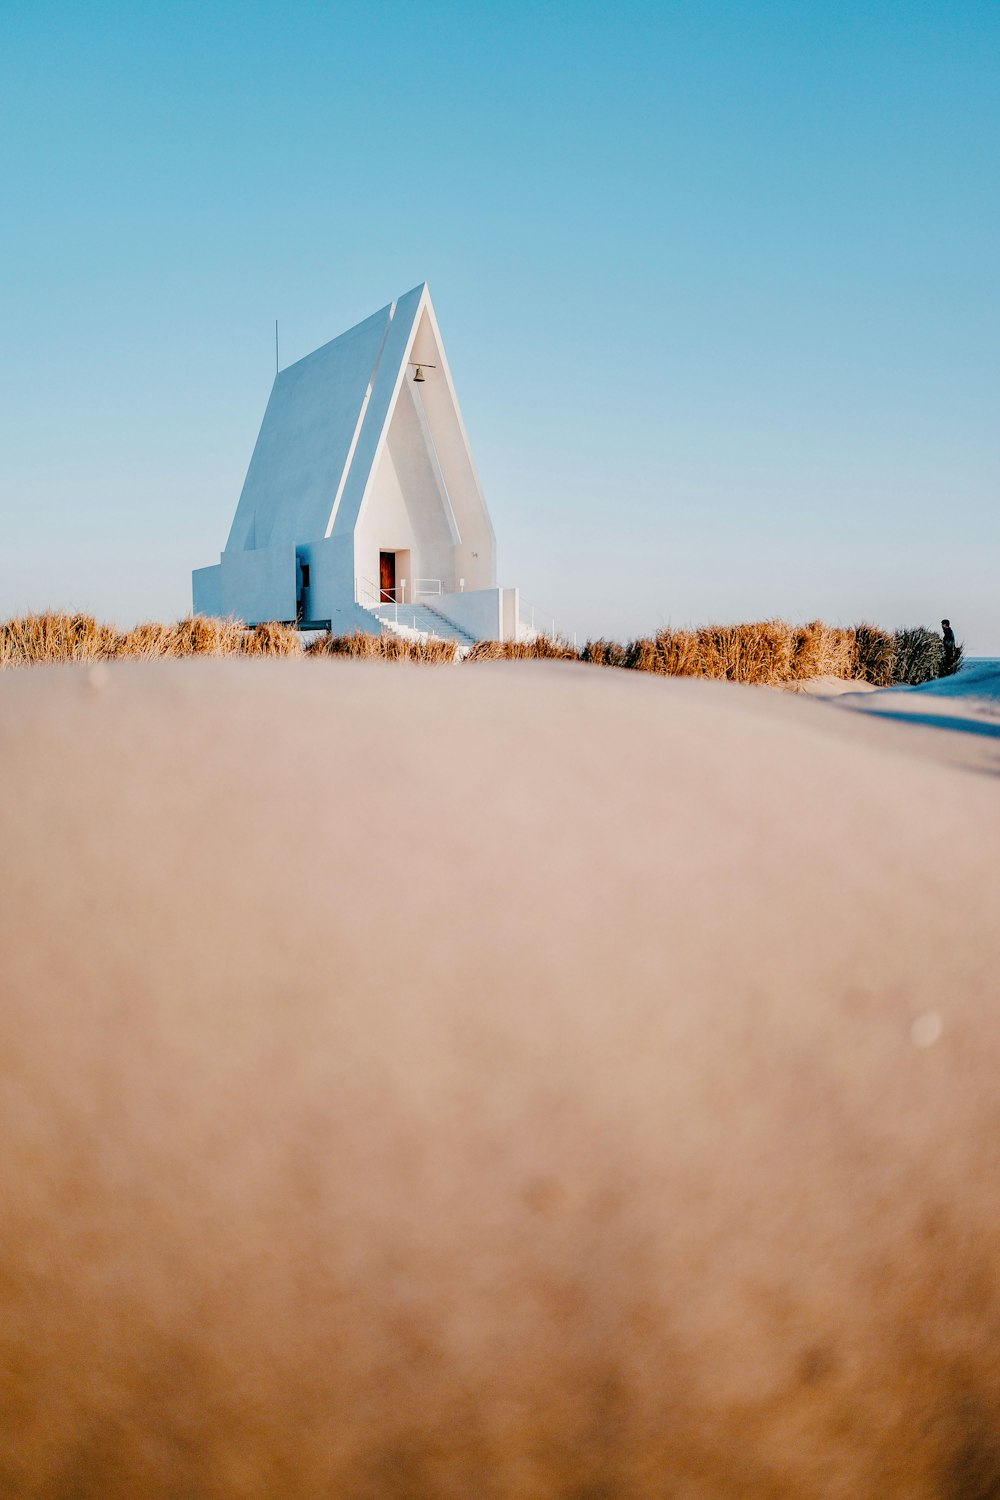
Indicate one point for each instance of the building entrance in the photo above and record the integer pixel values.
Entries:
(387, 577)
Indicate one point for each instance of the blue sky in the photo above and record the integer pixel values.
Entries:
(719, 283)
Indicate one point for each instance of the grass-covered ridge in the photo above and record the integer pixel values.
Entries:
(52, 637)
(769, 653)
(773, 653)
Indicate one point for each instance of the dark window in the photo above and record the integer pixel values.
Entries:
(305, 575)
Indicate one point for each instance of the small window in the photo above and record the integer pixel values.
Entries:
(305, 575)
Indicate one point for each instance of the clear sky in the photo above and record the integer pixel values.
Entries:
(719, 283)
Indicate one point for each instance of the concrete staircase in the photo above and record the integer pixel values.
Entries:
(421, 619)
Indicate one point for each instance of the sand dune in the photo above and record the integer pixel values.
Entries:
(522, 1081)
(827, 686)
(955, 720)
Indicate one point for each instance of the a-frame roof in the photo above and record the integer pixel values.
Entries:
(324, 428)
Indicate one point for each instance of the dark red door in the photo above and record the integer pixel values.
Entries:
(387, 576)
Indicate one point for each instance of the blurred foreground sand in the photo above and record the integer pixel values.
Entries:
(522, 1081)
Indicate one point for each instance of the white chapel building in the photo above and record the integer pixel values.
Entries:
(361, 509)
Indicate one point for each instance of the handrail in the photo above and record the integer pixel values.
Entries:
(536, 620)
(369, 594)
(365, 592)
(369, 597)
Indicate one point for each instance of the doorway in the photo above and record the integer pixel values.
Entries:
(387, 577)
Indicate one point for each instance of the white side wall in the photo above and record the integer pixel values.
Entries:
(206, 591)
(404, 511)
(385, 386)
(424, 495)
(259, 585)
(351, 619)
(479, 612)
(305, 440)
(421, 454)
(509, 614)
(330, 594)
(475, 559)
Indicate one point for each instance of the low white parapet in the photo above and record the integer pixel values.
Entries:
(206, 591)
(487, 614)
(477, 612)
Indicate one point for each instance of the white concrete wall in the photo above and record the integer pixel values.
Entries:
(331, 577)
(206, 591)
(475, 558)
(509, 611)
(259, 585)
(386, 525)
(305, 440)
(330, 595)
(421, 429)
(478, 612)
(385, 383)
(352, 618)
(406, 510)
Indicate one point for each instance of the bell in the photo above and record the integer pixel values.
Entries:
(419, 377)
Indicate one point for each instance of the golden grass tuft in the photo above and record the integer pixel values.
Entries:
(820, 650)
(52, 637)
(271, 639)
(383, 648)
(540, 649)
(604, 653)
(765, 652)
(873, 655)
(768, 653)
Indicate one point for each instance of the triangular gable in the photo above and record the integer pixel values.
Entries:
(443, 414)
(307, 440)
(385, 389)
(413, 334)
(411, 451)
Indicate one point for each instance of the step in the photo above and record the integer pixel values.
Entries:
(423, 619)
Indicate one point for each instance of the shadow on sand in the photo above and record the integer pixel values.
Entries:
(938, 721)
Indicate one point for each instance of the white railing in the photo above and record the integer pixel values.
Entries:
(365, 593)
(369, 595)
(403, 614)
(535, 622)
(394, 608)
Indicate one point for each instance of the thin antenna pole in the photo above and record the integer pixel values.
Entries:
(275, 346)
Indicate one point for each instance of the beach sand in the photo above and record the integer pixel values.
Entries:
(825, 687)
(523, 1080)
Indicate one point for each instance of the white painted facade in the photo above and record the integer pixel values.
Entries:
(362, 494)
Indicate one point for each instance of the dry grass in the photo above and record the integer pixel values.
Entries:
(874, 656)
(540, 649)
(604, 653)
(820, 650)
(55, 637)
(768, 653)
(34, 639)
(919, 656)
(383, 647)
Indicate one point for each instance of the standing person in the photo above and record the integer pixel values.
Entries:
(951, 655)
